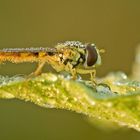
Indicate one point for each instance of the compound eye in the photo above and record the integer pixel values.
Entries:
(92, 55)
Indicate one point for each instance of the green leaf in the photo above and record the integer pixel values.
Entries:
(116, 98)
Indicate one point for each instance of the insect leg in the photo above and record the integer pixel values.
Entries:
(37, 71)
(69, 68)
(92, 73)
(74, 74)
(39, 68)
(92, 76)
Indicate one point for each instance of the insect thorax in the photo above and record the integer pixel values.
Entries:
(72, 53)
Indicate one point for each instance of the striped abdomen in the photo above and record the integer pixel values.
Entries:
(19, 57)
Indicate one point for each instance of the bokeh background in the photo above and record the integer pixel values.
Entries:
(111, 24)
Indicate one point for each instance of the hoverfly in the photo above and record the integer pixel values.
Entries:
(71, 56)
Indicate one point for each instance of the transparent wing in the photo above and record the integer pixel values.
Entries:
(32, 50)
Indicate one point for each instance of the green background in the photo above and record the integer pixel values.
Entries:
(111, 24)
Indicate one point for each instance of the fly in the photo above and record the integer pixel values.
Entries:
(71, 56)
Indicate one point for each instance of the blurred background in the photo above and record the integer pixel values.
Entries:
(111, 24)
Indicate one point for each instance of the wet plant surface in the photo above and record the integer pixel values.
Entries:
(115, 98)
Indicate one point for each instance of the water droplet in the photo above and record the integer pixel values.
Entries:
(5, 80)
(109, 104)
(103, 88)
(93, 103)
(49, 105)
